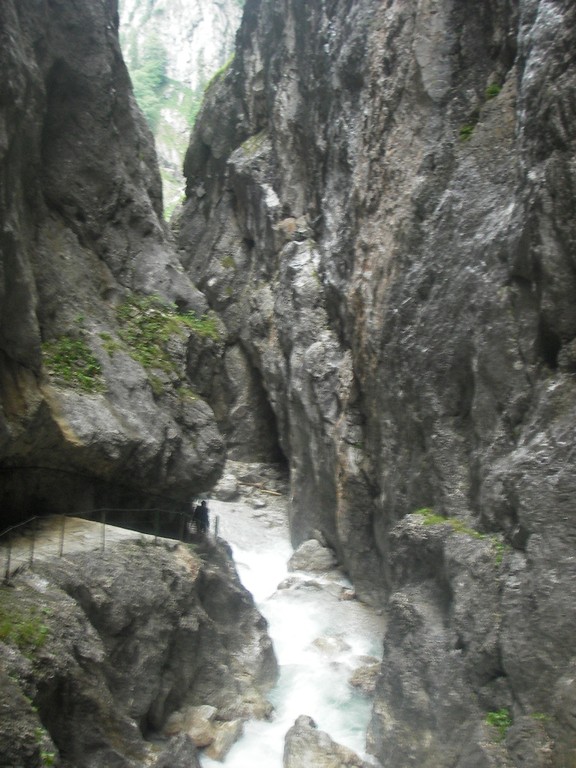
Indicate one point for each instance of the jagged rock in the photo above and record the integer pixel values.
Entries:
(296, 583)
(416, 349)
(197, 722)
(23, 740)
(180, 752)
(529, 743)
(226, 489)
(312, 556)
(225, 735)
(365, 677)
(111, 662)
(81, 230)
(305, 746)
(330, 645)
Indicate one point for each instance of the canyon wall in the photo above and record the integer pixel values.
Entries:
(379, 218)
(97, 319)
(379, 207)
(96, 671)
(189, 42)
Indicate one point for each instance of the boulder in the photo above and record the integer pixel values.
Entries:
(306, 746)
(226, 489)
(365, 677)
(225, 736)
(179, 752)
(197, 722)
(312, 556)
(330, 645)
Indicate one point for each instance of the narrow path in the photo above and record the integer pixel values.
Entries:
(57, 536)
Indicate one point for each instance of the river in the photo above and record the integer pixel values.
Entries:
(319, 638)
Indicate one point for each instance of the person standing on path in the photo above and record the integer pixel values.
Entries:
(202, 517)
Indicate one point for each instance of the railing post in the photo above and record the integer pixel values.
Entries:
(156, 525)
(8, 559)
(103, 530)
(182, 523)
(216, 526)
(33, 540)
(62, 529)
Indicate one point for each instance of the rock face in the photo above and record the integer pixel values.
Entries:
(95, 667)
(305, 745)
(198, 37)
(195, 41)
(82, 242)
(379, 209)
(312, 556)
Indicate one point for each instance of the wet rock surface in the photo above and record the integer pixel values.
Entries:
(378, 207)
(119, 646)
(323, 636)
(312, 556)
(380, 210)
(83, 424)
(306, 745)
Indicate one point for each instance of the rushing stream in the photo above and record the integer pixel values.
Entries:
(319, 640)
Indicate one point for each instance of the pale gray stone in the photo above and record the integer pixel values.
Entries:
(312, 556)
(305, 746)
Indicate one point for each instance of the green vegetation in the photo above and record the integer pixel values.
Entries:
(540, 716)
(149, 78)
(501, 547)
(501, 720)
(253, 144)
(492, 91)
(429, 517)
(219, 73)
(187, 393)
(48, 757)
(228, 262)
(71, 361)
(109, 343)
(21, 626)
(147, 324)
(466, 131)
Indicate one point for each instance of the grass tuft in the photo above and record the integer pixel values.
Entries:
(71, 362)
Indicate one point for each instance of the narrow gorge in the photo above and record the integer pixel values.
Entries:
(370, 282)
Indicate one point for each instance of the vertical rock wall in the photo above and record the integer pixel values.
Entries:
(80, 232)
(379, 208)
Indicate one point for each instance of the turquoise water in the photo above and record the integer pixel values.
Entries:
(318, 639)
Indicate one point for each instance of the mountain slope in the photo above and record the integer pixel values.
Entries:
(172, 50)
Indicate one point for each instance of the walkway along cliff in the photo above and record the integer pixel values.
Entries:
(380, 203)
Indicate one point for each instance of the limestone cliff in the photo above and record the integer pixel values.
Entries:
(95, 669)
(379, 207)
(97, 319)
(191, 41)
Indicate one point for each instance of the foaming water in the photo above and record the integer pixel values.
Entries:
(318, 639)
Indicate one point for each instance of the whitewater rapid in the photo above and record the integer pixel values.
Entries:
(319, 639)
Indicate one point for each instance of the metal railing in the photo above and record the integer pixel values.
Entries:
(19, 543)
